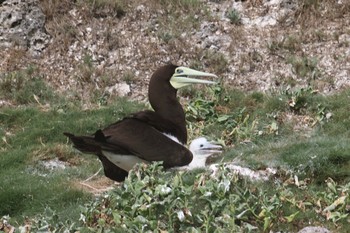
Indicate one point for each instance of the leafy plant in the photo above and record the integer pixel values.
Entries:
(153, 200)
(230, 124)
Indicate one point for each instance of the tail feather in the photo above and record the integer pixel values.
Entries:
(100, 137)
(91, 144)
(84, 144)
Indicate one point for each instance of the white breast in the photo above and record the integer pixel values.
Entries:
(125, 162)
(172, 138)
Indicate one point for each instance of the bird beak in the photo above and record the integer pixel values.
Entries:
(211, 148)
(182, 77)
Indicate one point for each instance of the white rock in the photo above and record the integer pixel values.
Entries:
(314, 230)
(120, 89)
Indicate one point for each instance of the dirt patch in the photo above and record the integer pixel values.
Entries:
(271, 46)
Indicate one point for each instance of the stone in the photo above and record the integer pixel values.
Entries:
(312, 229)
(121, 89)
(22, 25)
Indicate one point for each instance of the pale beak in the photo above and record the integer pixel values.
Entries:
(182, 77)
(211, 148)
(201, 146)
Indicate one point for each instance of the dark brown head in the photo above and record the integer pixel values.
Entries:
(160, 88)
(163, 87)
(167, 79)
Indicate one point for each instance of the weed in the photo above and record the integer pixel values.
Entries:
(234, 16)
(165, 36)
(184, 5)
(216, 60)
(104, 8)
(230, 124)
(298, 99)
(304, 67)
(55, 8)
(290, 43)
(23, 87)
(87, 69)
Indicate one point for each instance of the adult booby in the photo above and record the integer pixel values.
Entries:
(158, 135)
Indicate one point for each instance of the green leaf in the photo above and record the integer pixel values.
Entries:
(267, 222)
(291, 217)
(223, 118)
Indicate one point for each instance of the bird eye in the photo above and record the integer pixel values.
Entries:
(179, 71)
(201, 145)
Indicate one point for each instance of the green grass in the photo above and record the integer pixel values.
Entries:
(25, 87)
(31, 135)
(253, 126)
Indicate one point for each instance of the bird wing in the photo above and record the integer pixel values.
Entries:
(143, 140)
(161, 124)
(132, 136)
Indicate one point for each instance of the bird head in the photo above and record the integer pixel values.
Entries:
(201, 149)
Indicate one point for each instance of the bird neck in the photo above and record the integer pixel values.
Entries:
(162, 97)
(171, 109)
(197, 162)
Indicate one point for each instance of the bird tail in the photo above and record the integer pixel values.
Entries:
(85, 144)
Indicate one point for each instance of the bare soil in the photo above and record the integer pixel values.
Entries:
(275, 45)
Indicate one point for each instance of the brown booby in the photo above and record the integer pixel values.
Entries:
(158, 135)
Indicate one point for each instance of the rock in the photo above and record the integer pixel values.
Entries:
(54, 164)
(121, 89)
(22, 25)
(140, 8)
(314, 230)
(260, 175)
(211, 37)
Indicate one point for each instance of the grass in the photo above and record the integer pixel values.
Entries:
(257, 119)
(300, 132)
(28, 138)
(25, 86)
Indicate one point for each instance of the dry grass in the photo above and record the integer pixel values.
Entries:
(61, 152)
(55, 8)
(94, 185)
(13, 60)
(318, 12)
(105, 8)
